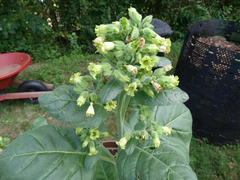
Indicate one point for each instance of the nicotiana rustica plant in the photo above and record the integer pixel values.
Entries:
(153, 140)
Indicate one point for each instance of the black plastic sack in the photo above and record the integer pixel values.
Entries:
(211, 77)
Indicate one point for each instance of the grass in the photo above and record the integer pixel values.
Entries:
(209, 162)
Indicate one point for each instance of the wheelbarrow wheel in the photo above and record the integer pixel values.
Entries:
(31, 86)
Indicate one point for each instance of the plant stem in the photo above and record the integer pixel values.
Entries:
(121, 111)
(109, 154)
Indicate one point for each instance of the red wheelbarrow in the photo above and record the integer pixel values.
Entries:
(10, 65)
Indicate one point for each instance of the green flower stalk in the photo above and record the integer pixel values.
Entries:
(130, 89)
(146, 63)
(123, 141)
(156, 86)
(92, 148)
(90, 111)
(110, 105)
(167, 130)
(134, 15)
(94, 134)
(76, 78)
(94, 69)
(132, 69)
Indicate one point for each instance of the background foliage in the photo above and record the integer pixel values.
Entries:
(50, 28)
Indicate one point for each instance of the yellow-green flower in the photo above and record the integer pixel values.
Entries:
(104, 29)
(76, 78)
(150, 48)
(98, 41)
(80, 101)
(94, 134)
(146, 63)
(90, 111)
(85, 143)
(167, 130)
(123, 141)
(92, 148)
(174, 80)
(162, 49)
(132, 69)
(156, 142)
(110, 105)
(130, 88)
(94, 69)
(104, 47)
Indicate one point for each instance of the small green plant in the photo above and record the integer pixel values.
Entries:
(4, 141)
(153, 137)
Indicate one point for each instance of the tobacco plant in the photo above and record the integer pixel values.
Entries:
(153, 141)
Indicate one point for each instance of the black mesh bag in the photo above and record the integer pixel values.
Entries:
(211, 77)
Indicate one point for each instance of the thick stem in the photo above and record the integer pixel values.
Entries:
(121, 111)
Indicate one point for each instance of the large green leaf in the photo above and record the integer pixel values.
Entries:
(106, 170)
(163, 163)
(111, 90)
(165, 97)
(40, 121)
(47, 152)
(61, 104)
(163, 62)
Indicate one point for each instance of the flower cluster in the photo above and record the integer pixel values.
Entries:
(89, 136)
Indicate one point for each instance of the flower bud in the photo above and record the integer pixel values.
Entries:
(116, 30)
(159, 72)
(155, 59)
(142, 117)
(83, 84)
(93, 97)
(85, 143)
(107, 73)
(90, 111)
(147, 20)
(156, 86)
(118, 54)
(138, 56)
(105, 66)
(108, 55)
(149, 32)
(130, 89)
(134, 15)
(167, 130)
(148, 80)
(121, 76)
(148, 91)
(111, 105)
(78, 130)
(150, 26)
(104, 29)
(135, 33)
(156, 142)
(132, 69)
(83, 137)
(119, 45)
(131, 47)
(124, 24)
(78, 90)
(92, 148)
(150, 48)
(81, 100)
(87, 78)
